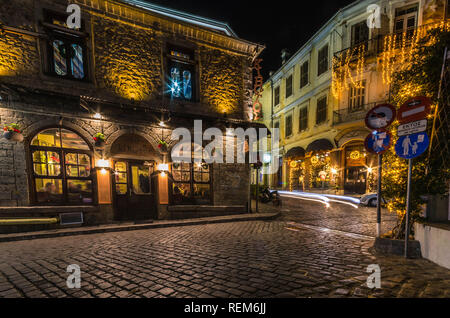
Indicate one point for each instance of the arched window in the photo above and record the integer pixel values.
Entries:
(62, 168)
(191, 181)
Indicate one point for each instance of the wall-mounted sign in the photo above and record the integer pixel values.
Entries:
(412, 146)
(415, 109)
(412, 128)
(381, 117)
(378, 142)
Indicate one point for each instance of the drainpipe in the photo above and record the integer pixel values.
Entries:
(271, 124)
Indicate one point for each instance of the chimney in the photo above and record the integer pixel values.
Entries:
(285, 55)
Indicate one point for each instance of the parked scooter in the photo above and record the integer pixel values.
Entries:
(267, 196)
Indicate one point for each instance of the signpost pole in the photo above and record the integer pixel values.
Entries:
(380, 170)
(408, 209)
(257, 189)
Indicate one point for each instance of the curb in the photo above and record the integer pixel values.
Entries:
(126, 228)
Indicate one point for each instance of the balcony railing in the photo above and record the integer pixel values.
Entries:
(375, 46)
(348, 115)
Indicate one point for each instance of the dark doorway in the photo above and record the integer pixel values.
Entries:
(355, 180)
(134, 189)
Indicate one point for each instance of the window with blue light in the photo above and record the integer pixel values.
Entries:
(66, 48)
(180, 78)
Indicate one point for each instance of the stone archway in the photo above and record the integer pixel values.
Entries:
(133, 146)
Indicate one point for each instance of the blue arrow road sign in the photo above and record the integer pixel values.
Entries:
(412, 146)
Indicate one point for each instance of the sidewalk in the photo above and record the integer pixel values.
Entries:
(266, 216)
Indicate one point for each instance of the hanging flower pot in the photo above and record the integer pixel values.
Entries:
(163, 147)
(99, 139)
(12, 132)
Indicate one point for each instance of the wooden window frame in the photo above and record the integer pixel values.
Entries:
(63, 175)
(322, 58)
(303, 119)
(321, 114)
(304, 76)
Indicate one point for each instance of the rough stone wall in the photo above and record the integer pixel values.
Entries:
(221, 81)
(128, 60)
(13, 176)
(231, 184)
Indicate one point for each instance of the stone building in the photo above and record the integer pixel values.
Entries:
(131, 73)
(320, 96)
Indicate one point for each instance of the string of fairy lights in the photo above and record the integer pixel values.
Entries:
(396, 54)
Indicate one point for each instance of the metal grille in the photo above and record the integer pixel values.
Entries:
(71, 218)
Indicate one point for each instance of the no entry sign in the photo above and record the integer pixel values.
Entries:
(381, 117)
(415, 109)
(378, 142)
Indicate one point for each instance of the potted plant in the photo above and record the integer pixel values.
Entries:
(163, 146)
(13, 133)
(99, 139)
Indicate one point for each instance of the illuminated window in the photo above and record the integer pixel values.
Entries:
(180, 83)
(66, 49)
(62, 168)
(192, 181)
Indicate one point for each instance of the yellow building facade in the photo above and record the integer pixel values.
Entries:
(320, 96)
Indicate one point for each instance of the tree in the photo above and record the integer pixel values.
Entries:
(420, 77)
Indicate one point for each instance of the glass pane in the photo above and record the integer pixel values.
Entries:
(121, 177)
(53, 157)
(181, 193)
(186, 176)
(54, 170)
(79, 191)
(71, 158)
(121, 167)
(72, 171)
(40, 169)
(84, 160)
(85, 171)
(47, 138)
(175, 82)
(71, 140)
(121, 189)
(59, 57)
(49, 190)
(187, 84)
(141, 180)
(177, 175)
(77, 61)
(40, 156)
(202, 191)
(205, 177)
(197, 177)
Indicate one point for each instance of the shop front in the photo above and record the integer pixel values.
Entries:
(359, 169)
(296, 168)
(321, 174)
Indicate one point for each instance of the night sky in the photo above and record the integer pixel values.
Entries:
(276, 24)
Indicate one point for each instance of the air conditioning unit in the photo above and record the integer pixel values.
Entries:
(71, 218)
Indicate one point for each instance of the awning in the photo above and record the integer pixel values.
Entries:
(320, 145)
(297, 152)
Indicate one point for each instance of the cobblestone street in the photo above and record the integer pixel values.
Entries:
(293, 256)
